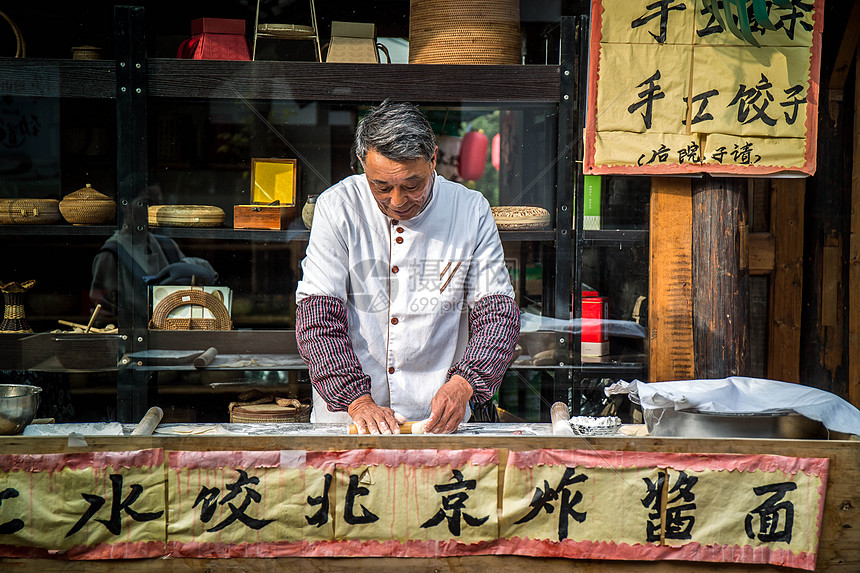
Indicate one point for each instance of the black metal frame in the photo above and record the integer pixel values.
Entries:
(135, 75)
(132, 180)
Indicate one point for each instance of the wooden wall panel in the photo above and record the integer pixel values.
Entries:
(786, 282)
(854, 258)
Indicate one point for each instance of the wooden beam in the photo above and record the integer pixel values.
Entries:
(670, 295)
(761, 253)
(854, 259)
(786, 282)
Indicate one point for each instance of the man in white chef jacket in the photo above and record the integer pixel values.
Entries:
(405, 309)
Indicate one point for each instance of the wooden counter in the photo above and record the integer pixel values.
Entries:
(839, 548)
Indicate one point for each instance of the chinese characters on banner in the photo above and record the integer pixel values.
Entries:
(101, 505)
(628, 505)
(413, 503)
(670, 91)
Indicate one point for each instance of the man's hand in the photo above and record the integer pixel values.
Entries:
(449, 406)
(371, 418)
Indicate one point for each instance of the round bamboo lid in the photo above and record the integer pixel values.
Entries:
(185, 216)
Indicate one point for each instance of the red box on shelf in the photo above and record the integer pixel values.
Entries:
(218, 26)
(215, 39)
(594, 337)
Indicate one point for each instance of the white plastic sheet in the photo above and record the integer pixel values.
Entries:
(739, 394)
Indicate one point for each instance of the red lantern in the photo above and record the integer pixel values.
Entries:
(473, 155)
(496, 151)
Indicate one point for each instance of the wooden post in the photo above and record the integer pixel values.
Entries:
(670, 304)
(720, 278)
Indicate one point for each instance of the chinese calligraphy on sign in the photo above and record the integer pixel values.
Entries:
(672, 92)
(413, 503)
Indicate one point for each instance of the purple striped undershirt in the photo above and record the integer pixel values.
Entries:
(335, 371)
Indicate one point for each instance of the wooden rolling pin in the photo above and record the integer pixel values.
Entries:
(560, 416)
(405, 428)
(148, 423)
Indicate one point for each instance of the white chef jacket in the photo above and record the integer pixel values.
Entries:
(354, 255)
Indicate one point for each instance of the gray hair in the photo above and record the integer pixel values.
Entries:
(397, 131)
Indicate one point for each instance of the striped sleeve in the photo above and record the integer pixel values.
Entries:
(324, 344)
(494, 325)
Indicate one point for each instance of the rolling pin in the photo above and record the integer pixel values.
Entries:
(405, 428)
(148, 423)
(560, 417)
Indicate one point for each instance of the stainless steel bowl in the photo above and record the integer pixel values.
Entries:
(693, 423)
(18, 403)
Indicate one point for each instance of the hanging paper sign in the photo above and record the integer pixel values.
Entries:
(670, 91)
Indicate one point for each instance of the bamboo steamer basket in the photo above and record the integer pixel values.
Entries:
(514, 218)
(29, 211)
(86, 206)
(185, 216)
(464, 32)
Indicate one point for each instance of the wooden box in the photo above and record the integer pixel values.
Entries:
(263, 216)
(273, 193)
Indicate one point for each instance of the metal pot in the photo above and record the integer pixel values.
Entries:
(18, 403)
(692, 423)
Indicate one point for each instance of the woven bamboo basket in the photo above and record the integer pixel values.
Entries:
(161, 320)
(86, 206)
(185, 216)
(29, 211)
(14, 315)
(283, 410)
(20, 45)
(464, 32)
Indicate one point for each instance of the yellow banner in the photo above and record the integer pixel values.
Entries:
(555, 498)
(413, 503)
(405, 503)
(84, 506)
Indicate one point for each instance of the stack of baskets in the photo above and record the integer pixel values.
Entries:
(464, 32)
